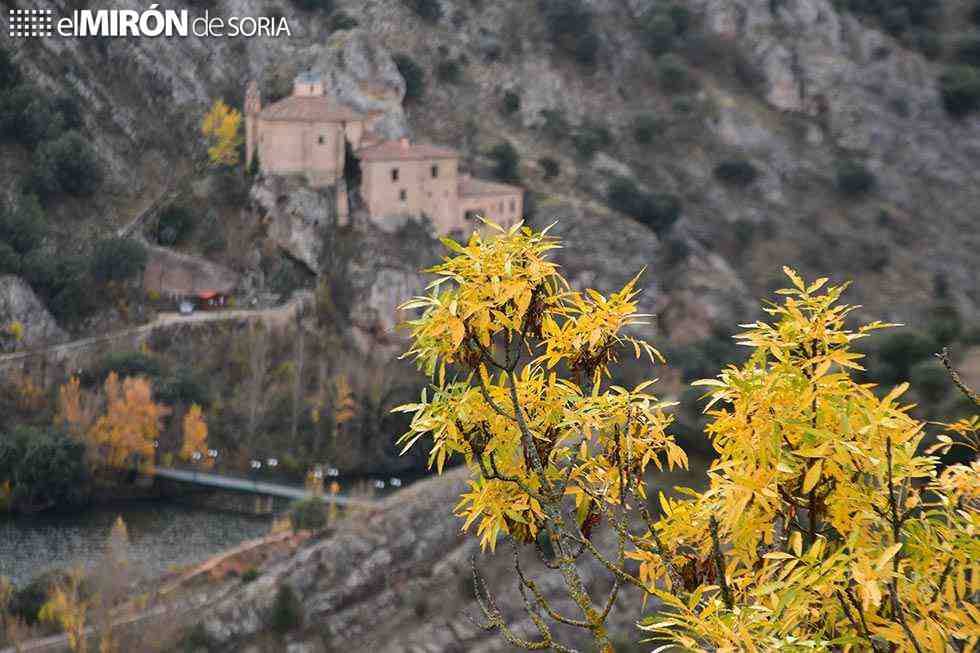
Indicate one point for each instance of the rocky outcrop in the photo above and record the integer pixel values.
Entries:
(395, 580)
(18, 303)
(297, 216)
(360, 73)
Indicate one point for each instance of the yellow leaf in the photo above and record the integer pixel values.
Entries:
(812, 476)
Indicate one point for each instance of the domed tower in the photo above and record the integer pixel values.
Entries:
(253, 105)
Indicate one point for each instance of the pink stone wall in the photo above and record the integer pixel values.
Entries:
(436, 196)
(504, 209)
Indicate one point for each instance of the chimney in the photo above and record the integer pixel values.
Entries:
(403, 142)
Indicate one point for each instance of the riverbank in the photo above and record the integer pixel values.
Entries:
(164, 534)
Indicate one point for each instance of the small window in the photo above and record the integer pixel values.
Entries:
(394, 174)
(435, 171)
(500, 207)
(322, 140)
(403, 194)
(513, 206)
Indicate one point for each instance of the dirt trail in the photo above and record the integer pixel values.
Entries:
(277, 314)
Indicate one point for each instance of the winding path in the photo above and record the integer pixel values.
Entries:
(277, 313)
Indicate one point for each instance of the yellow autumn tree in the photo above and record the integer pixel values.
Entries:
(14, 332)
(824, 527)
(67, 608)
(124, 435)
(77, 409)
(195, 437)
(221, 129)
(520, 367)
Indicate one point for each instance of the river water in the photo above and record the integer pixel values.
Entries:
(161, 534)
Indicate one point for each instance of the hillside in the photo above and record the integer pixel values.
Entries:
(710, 141)
(792, 88)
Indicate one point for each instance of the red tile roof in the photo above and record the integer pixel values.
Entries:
(404, 151)
(470, 187)
(309, 109)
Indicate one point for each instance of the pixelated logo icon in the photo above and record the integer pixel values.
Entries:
(30, 22)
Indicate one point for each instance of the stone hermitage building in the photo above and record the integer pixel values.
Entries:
(309, 134)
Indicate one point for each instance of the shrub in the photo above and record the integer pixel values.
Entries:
(413, 75)
(69, 109)
(429, 10)
(960, 89)
(682, 18)
(117, 260)
(926, 41)
(506, 162)
(67, 164)
(175, 224)
(945, 323)
(929, 380)
(656, 210)
(287, 612)
(853, 178)
(325, 6)
(28, 117)
(9, 259)
(230, 186)
(195, 638)
(659, 33)
(570, 29)
(549, 167)
(308, 514)
(449, 71)
(46, 467)
(590, 138)
(554, 124)
(23, 225)
(967, 49)
(673, 74)
(900, 350)
(341, 21)
(250, 575)
(512, 103)
(73, 299)
(10, 75)
(646, 128)
(27, 600)
(738, 172)
(683, 105)
(127, 363)
(896, 16)
(185, 387)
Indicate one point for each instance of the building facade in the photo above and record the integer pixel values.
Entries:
(308, 134)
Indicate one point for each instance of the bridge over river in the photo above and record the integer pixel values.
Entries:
(251, 486)
(249, 494)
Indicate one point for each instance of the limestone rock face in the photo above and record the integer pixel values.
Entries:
(397, 579)
(360, 73)
(297, 216)
(385, 273)
(604, 251)
(18, 303)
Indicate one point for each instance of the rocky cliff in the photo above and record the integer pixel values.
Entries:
(792, 87)
(394, 580)
(18, 303)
